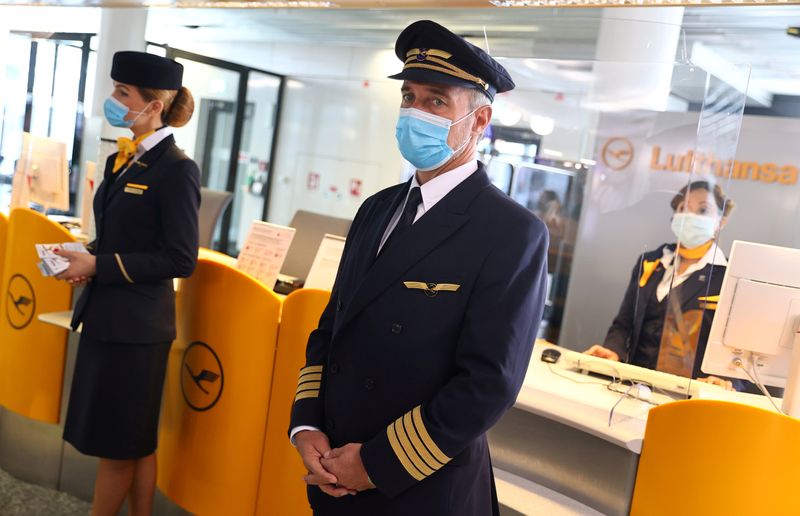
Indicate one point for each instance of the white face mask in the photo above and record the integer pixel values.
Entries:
(693, 230)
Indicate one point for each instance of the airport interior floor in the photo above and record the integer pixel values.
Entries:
(18, 498)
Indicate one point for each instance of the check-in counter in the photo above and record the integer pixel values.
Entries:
(3, 234)
(570, 437)
(281, 489)
(32, 353)
(216, 395)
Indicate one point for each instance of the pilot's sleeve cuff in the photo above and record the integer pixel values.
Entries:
(307, 408)
(403, 455)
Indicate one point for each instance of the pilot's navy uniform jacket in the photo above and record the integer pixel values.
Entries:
(147, 234)
(636, 332)
(424, 346)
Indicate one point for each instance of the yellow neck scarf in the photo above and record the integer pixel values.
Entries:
(127, 150)
(695, 253)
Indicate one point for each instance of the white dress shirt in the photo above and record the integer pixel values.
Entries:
(714, 256)
(432, 192)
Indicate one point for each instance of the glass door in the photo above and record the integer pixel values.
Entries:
(208, 137)
(46, 90)
(231, 136)
(255, 155)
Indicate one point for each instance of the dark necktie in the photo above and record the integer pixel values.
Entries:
(406, 218)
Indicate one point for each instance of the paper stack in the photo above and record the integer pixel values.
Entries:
(51, 263)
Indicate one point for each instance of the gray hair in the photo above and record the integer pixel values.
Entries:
(477, 99)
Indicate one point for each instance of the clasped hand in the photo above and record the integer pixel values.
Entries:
(337, 472)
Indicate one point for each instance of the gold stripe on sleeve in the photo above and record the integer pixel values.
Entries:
(122, 267)
(401, 455)
(306, 394)
(307, 386)
(409, 449)
(310, 377)
(311, 369)
(426, 438)
(418, 446)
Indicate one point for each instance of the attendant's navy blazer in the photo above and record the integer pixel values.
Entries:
(147, 234)
(625, 334)
(422, 349)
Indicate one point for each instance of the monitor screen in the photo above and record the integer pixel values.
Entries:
(757, 315)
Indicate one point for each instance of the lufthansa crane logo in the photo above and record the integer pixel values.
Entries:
(21, 302)
(617, 153)
(202, 378)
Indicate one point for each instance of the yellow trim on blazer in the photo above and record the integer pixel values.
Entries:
(137, 185)
(648, 268)
(122, 267)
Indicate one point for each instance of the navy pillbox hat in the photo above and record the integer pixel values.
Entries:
(431, 53)
(146, 70)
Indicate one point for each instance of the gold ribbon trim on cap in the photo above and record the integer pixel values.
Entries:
(427, 58)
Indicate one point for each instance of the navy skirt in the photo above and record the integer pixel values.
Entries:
(115, 399)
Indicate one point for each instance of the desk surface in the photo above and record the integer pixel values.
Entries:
(585, 402)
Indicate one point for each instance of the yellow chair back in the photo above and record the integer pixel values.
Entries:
(712, 457)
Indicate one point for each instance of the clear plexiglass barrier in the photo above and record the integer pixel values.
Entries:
(635, 170)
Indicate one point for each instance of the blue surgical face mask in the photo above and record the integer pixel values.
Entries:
(116, 112)
(693, 230)
(422, 138)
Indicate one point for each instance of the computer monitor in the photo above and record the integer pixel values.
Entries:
(758, 318)
(43, 165)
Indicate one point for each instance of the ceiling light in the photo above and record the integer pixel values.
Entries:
(260, 4)
(542, 125)
(629, 3)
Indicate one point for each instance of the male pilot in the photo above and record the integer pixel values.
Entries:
(427, 336)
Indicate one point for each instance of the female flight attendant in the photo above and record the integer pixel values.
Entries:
(146, 225)
(669, 304)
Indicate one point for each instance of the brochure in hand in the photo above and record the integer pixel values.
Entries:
(51, 263)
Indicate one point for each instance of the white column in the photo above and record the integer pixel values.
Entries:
(120, 29)
(636, 50)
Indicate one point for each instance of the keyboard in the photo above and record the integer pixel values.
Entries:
(576, 361)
